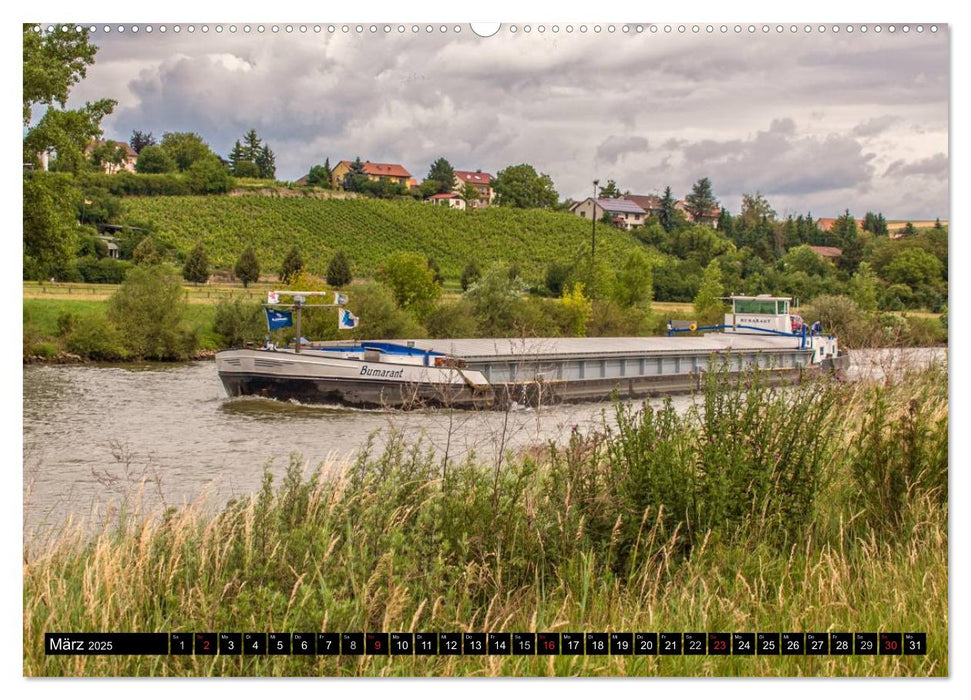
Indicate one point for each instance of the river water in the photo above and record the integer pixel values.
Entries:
(94, 435)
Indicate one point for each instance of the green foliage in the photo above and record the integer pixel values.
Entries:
(149, 309)
(913, 266)
(708, 307)
(320, 176)
(380, 316)
(292, 265)
(53, 63)
(412, 281)
(196, 268)
(635, 283)
(186, 149)
(247, 267)
(339, 270)
(557, 276)
(102, 270)
(609, 191)
(209, 176)
(49, 225)
(452, 318)
(96, 338)
(154, 160)
(804, 259)
(667, 217)
(522, 187)
(470, 275)
(126, 183)
(147, 252)
(496, 302)
(863, 287)
(701, 201)
(238, 322)
(441, 173)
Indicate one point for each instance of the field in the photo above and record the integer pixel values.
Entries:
(819, 508)
(368, 230)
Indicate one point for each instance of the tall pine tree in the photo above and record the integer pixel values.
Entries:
(266, 163)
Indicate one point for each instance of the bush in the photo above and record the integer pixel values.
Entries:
(451, 319)
(45, 350)
(292, 265)
(96, 338)
(196, 268)
(339, 270)
(149, 309)
(248, 267)
(842, 317)
(470, 275)
(102, 271)
(380, 317)
(237, 322)
(209, 176)
(66, 323)
(131, 184)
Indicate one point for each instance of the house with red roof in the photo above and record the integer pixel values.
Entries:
(482, 183)
(623, 213)
(390, 172)
(827, 252)
(127, 157)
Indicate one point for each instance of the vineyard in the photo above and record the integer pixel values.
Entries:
(370, 230)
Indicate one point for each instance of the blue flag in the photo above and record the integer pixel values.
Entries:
(278, 319)
(346, 320)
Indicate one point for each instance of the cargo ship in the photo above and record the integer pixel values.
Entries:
(758, 332)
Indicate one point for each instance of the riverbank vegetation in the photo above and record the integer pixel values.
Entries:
(821, 507)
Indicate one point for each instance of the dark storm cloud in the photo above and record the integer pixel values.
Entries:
(935, 166)
(616, 147)
(815, 120)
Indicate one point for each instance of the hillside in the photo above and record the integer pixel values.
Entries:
(369, 230)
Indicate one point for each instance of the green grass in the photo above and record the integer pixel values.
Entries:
(763, 510)
(41, 314)
(369, 230)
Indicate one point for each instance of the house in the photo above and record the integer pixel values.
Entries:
(390, 172)
(826, 252)
(128, 159)
(449, 199)
(623, 213)
(650, 203)
(710, 218)
(482, 183)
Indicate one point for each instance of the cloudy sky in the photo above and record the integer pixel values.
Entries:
(817, 122)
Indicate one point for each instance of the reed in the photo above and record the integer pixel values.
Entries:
(764, 509)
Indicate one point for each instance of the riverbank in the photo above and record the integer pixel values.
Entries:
(818, 508)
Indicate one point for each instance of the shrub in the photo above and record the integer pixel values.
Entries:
(412, 282)
(96, 338)
(237, 322)
(339, 270)
(292, 265)
(196, 268)
(102, 271)
(470, 275)
(451, 319)
(209, 176)
(248, 267)
(380, 317)
(149, 308)
(66, 323)
(842, 317)
(45, 350)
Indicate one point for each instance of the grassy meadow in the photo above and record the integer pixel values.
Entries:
(821, 507)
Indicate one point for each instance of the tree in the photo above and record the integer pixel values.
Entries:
(196, 268)
(266, 163)
(497, 301)
(251, 145)
(319, 176)
(146, 252)
(436, 270)
(140, 140)
(701, 201)
(53, 63)
(937, 224)
(522, 187)
(209, 176)
(708, 306)
(803, 259)
(186, 148)
(412, 282)
(149, 309)
(50, 230)
(913, 267)
(557, 276)
(470, 275)
(909, 229)
(469, 194)
(154, 159)
(579, 310)
(847, 237)
(863, 287)
(248, 267)
(441, 171)
(292, 265)
(667, 215)
(110, 153)
(756, 209)
(236, 156)
(339, 270)
(635, 282)
(610, 190)
(355, 177)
